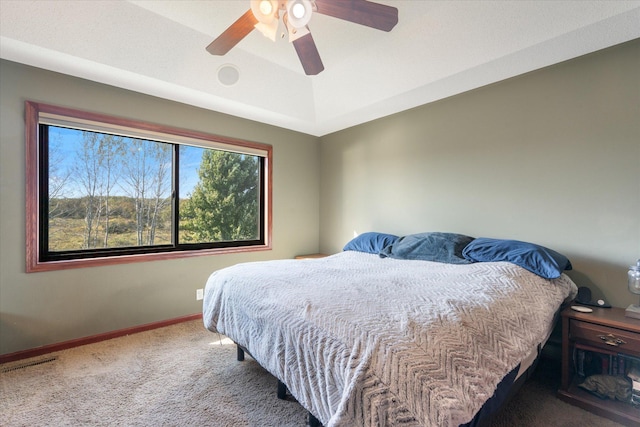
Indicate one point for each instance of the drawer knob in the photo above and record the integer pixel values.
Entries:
(611, 339)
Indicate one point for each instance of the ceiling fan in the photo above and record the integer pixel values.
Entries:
(264, 15)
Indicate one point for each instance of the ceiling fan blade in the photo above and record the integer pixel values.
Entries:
(363, 12)
(232, 35)
(308, 54)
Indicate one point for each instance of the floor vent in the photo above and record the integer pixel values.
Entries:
(28, 364)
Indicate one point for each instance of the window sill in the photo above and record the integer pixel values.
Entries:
(128, 259)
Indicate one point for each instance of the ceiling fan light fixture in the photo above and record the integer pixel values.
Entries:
(296, 33)
(266, 7)
(264, 15)
(265, 11)
(299, 12)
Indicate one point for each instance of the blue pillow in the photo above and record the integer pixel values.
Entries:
(435, 246)
(537, 259)
(370, 242)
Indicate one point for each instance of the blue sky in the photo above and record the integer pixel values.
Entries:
(64, 144)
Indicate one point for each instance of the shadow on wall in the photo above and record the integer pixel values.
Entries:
(606, 280)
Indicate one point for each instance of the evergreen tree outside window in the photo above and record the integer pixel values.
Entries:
(105, 190)
(224, 204)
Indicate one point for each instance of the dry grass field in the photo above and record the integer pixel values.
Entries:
(69, 234)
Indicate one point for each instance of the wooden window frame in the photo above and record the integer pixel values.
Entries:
(33, 113)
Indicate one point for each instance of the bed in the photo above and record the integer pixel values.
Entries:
(380, 336)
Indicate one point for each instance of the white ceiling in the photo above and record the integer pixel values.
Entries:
(438, 49)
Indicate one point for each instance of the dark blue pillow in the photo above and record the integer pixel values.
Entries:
(370, 242)
(537, 259)
(434, 246)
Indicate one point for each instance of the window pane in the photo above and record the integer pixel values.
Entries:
(107, 191)
(219, 196)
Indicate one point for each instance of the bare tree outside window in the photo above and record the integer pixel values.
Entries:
(110, 150)
(59, 178)
(87, 170)
(146, 180)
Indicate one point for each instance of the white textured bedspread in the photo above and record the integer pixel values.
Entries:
(367, 341)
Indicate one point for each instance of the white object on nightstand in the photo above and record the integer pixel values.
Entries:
(634, 287)
(581, 309)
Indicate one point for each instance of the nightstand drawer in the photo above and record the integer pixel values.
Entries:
(604, 336)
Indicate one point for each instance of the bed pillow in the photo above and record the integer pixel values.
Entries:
(434, 246)
(537, 259)
(370, 242)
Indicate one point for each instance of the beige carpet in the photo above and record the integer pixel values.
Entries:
(183, 375)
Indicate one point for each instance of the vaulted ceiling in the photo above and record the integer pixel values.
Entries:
(437, 49)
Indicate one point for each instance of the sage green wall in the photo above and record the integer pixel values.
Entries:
(43, 308)
(551, 157)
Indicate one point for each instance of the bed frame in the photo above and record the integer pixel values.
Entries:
(282, 387)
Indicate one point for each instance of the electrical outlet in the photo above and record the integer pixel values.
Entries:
(199, 294)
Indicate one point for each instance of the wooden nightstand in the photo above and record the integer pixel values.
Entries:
(609, 335)
(310, 256)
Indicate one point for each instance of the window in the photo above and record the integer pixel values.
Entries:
(104, 190)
